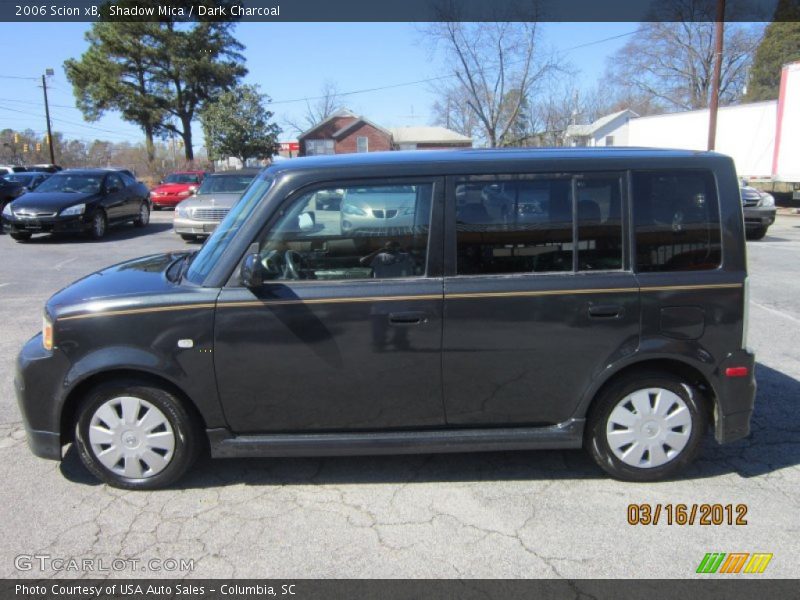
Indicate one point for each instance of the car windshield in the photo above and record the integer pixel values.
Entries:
(225, 184)
(182, 178)
(215, 246)
(72, 183)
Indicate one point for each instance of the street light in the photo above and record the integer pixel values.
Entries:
(48, 73)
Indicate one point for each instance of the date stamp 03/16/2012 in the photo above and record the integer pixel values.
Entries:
(687, 514)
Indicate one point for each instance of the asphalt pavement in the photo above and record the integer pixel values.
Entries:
(521, 514)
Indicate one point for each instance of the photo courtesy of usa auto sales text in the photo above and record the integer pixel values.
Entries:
(131, 589)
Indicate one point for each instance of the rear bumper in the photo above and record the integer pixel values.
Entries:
(735, 398)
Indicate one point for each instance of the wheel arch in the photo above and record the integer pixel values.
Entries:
(72, 402)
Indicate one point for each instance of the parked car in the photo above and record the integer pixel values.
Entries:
(8, 169)
(29, 179)
(10, 190)
(47, 168)
(76, 201)
(759, 211)
(614, 321)
(176, 188)
(199, 215)
(371, 207)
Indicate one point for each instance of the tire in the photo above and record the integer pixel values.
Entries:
(638, 450)
(99, 225)
(105, 431)
(756, 234)
(20, 237)
(144, 215)
(188, 237)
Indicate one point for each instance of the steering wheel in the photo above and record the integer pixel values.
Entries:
(293, 260)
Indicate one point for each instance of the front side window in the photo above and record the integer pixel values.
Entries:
(676, 215)
(351, 232)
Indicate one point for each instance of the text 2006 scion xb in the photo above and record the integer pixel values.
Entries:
(452, 301)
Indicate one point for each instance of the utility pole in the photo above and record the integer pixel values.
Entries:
(714, 104)
(48, 73)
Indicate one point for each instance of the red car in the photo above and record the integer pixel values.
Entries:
(176, 188)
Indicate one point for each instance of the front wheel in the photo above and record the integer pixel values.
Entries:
(188, 237)
(21, 237)
(99, 225)
(756, 234)
(135, 436)
(646, 427)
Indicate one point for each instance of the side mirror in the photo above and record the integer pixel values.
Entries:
(252, 272)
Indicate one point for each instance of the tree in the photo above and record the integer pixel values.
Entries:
(452, 110)
(195, 65)
(116, 73)
(497, 66)
(237, 124)
(780, 45)
(327, 103)
(157, 75)
(672, 62)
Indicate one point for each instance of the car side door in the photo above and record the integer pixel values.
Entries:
(539, 294)
(345, 331)
(114, 198)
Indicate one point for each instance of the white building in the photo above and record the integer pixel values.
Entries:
(610, 130)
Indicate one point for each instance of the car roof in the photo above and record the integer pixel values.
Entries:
(476, 155)
(252, 172)
(97, 171)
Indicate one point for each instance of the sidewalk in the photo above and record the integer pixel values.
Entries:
(788, 211)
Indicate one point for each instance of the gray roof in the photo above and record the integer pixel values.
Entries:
(427, 135)
(584, 130)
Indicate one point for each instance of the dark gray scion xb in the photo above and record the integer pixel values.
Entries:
(448, 301)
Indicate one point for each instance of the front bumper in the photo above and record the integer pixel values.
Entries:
(735, 398)
(57, 224)
(37, 384)
(194, 227)
(168, 200)
(756, 217)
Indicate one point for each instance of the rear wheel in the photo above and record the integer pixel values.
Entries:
(646, 427)
(135, 436)
(144, 215)
(21, 237)
(757, 234)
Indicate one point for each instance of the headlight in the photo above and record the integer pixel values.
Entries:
(47, 333)
(7, 210)
(78, 209)
(349, 209)
(185, 193)
(767, 200)
(182, 211)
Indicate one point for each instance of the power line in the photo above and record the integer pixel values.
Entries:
(431, 79)
(107, 131)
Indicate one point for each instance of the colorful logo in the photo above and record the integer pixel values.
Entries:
(734, 562)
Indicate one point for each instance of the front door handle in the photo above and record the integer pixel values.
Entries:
(413, 317)
(605, 311)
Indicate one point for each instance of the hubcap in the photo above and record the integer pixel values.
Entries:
(144, 214)
(99, 225)
(131, 437)
(649, 428)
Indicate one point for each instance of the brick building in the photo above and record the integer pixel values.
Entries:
(344, 132)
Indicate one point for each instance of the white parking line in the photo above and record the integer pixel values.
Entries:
(64, 262)
(775, 311)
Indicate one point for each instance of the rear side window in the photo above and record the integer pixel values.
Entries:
(676, 216)
(527, 224)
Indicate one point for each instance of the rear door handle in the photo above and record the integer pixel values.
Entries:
(605, 311)
(408, 318)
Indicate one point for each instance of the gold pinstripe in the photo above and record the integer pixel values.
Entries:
(468, 295)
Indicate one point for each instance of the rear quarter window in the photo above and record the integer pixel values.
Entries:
(676, 220)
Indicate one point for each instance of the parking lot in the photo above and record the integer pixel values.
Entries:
(523, 514)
